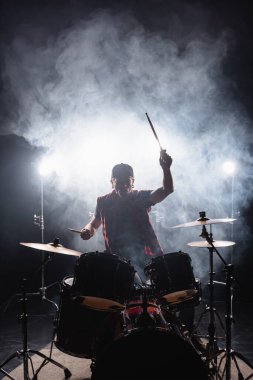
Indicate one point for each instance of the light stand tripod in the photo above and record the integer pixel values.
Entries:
(25, 352)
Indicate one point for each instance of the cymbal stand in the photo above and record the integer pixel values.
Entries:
(212, 349)
(46, 259)
(39, 221)
(24, 353)
(230, 354)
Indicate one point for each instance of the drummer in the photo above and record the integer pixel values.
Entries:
(124, 215)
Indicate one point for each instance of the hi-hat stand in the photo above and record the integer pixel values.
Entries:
(25, 352)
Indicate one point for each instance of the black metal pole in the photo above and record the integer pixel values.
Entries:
(23, 318)
(211, 327)
(228, 318)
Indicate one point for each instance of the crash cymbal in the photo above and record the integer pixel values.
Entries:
(50, 247)
(200, 222)
(97, 303)
(216, 243)
(180, 296)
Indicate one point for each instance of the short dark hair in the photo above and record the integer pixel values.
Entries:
(122, 170)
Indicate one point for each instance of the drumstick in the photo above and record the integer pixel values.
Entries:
(73, 230)
(153, 129)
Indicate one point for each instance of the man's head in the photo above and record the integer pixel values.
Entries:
(122, 178)
(122, 170)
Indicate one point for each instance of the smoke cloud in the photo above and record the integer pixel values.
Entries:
(81, 94)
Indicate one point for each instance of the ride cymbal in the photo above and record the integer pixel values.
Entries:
(200, 222)
(51, 247)
(205, 244)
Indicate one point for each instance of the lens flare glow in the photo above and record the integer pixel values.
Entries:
(229, 167)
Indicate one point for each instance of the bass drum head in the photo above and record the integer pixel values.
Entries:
(148, 355)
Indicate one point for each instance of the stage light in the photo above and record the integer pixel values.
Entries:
(229, 167)
(46, 166)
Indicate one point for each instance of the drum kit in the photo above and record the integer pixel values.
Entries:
(130, 329)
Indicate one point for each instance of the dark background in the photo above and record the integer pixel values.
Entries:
(20, 183)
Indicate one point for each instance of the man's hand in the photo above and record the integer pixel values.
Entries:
(165, 160)
(86, 234)
(90, 229)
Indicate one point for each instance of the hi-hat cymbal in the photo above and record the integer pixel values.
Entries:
(200, 222)
(97, 303)
(50, 247)
(216, 243)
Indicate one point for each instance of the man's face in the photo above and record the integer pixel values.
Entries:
(122, 184)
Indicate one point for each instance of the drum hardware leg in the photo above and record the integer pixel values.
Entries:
(25, 351)
(92, 365)
(48, 359)
(211, 349)
(145, 319)
(6, 374)
(229, 354)
(39, 221)
(46, 257)
(42, 290)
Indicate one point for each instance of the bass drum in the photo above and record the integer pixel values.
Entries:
(145, 347)
(148, 354)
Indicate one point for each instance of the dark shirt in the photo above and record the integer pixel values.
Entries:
(126, 225)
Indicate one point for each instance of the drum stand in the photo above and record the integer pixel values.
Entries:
(45, 256)
(39, 221)
(229, 354)
(41, 291)
(212, 349)
(25, 352)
